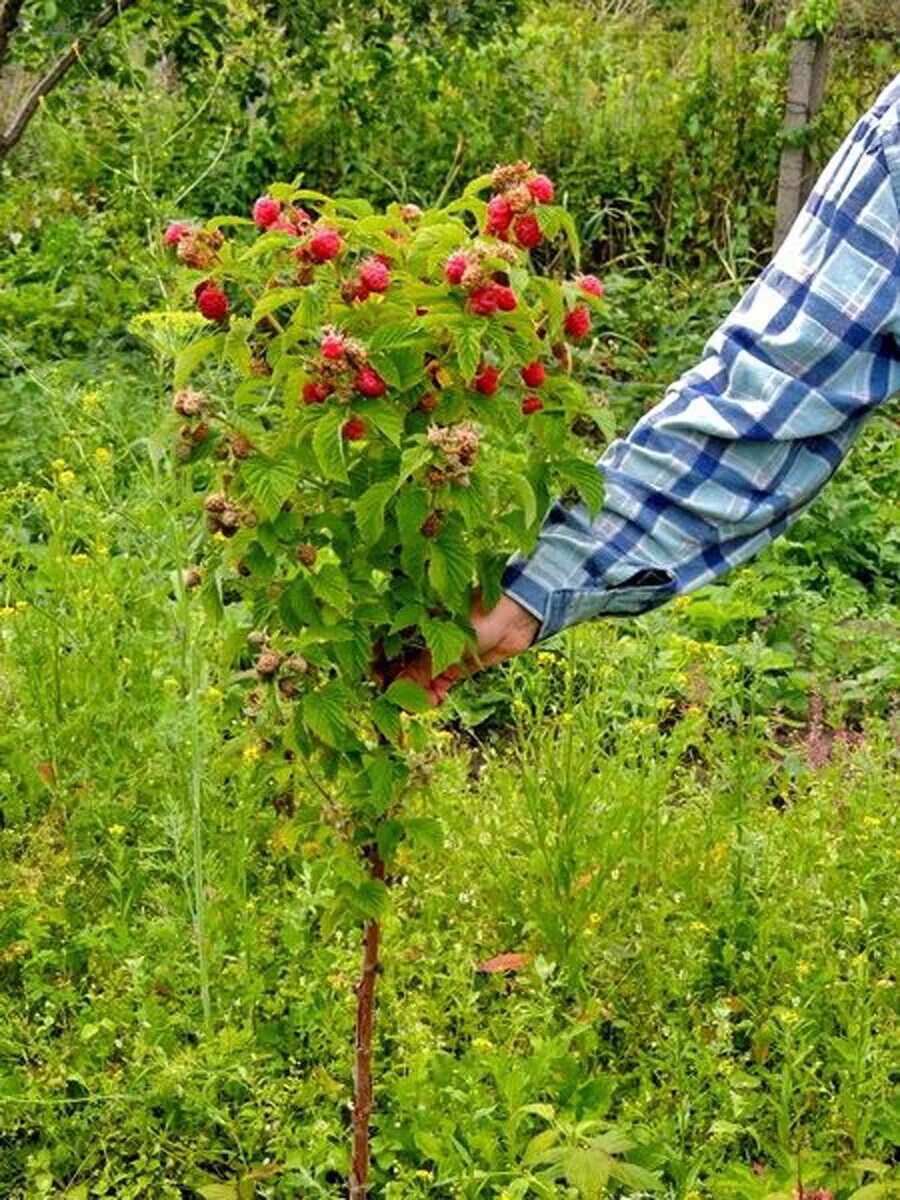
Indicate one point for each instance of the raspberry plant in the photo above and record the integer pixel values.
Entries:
(378, 409)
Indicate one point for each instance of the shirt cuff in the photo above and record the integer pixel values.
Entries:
(558, 608)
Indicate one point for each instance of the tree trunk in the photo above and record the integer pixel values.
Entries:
(365, 1027)
(47, 82)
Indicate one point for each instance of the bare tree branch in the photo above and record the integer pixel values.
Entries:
(48, 82)
(9, 19)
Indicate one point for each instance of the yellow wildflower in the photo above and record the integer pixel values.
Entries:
(103, 456)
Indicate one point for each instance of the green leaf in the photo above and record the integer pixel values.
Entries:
(525, 494)
(269, 482)
(586, 479)
(275, 298)
(450, 566)
(187, 360)
(370, 510)
(394, 337)
(413, 459)
(587, 1171)
(387, 719)
(408, 695)
(468, 350)
(325, 712)
(330, 585)
(387, 418)
(554, 219)
(445, 641)
(634, 1177)
(407, 616)
(329, 445)
(310, 310)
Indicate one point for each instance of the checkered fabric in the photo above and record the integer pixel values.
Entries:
(742, 442)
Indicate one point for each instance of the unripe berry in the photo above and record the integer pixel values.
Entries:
(591, 285)
(410, 212)
(533, 375)
(268, 663)
(354, 429)
(531, 404)
(542, 189)
(428, 403)
(212, 302)
(241, 446)
(374, 275)
(483, 301)
(505, 298)
(266, 210)
(499, 215)
(306, 554)
(369, 383)
(431, 526)
(283, 225)
(578, 322)
(325, 244)
(455, 267)
(175, 232)
(332, 346)
(487, 380)
(528, 231)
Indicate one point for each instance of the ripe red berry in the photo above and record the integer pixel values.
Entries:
(542, 189)
(283, 225)
(591, 285)
(578, 322)
(533, 375)
(374, 275)
(505, 298)
(213, 302)
(528, 231)
(175, 231)
(369, 383)
(266, 210)
(332, 346)
(315, 392)
(499, 215)
(354, 429)
(531, 404)
(483, 301)
(455, 267)
(487, 380)
(325, 244)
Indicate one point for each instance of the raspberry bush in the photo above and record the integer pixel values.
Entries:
(377, 409)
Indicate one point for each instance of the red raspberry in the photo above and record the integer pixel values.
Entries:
(283, 225)
(353, 430)
(528, 231)
(578, 322)
(315, 393)
(374, 275)
(499, 215)
(175, 231)
(505, 298)
(483, 302)
(212, 302)
(369, 383)
(325, 244)
(533, 375)
(332, 346)
(542, 189)
(487, 381)
(266, 210)
(591, 285)
(531, 404)
(455, 267)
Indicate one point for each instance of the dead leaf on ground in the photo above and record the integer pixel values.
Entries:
(504, 962)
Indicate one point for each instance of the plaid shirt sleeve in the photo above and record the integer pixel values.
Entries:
(744, 441)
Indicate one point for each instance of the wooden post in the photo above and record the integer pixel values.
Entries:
(806, 86)
(365, 1027)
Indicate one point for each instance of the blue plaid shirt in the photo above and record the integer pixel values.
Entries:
(744, 441)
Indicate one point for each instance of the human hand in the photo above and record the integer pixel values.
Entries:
(507, 629)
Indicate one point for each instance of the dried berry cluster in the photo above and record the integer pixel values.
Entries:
(458, 445)
(518, 190)
(224, 516)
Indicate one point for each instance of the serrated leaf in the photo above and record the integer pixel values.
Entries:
(408, 695)
(330, 585)
(310, 310)
(328, 445)
(370, 510)
(445, 641)
(269, 482)
(190, 358)
(413, 459)
(587, 1171)
(539, 1145)
(468, 350)
(586, 479)
(325, 713)
(450, 566)
(634, 1177)
(387, 418)
(524, 493)
(387, 719)
(553, 220)
(275, 298)
(408, 615)
(394, 337)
